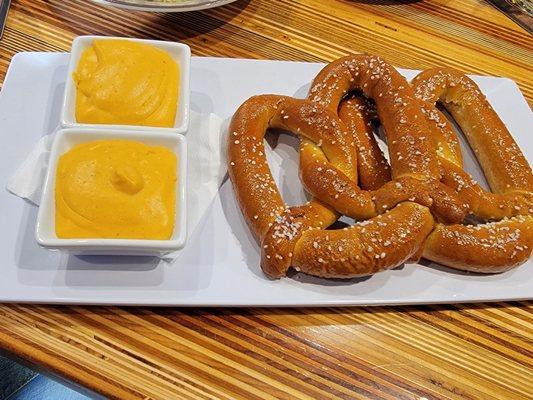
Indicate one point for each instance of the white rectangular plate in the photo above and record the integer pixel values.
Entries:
(220, 265)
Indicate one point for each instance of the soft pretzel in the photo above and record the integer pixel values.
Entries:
(411, 149)
(278, 227)
(497, 246)
(507, 171)
(458, 246)
(483, 205)
(414, 207)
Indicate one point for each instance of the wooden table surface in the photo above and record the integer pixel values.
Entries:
(481, 351)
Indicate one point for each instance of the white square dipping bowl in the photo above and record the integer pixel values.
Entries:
(65, 139)
(181, 53)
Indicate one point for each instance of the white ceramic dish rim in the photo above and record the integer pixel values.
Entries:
(180, 52)
(46, 214)
(161, 7)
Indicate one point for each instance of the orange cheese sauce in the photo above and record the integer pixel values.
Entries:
(116, 189)
(126, 83)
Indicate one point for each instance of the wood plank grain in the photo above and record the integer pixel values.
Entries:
(436, 352)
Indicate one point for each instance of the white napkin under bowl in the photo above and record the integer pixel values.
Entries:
(206, 167)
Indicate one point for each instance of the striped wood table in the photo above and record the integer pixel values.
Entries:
(459, 352)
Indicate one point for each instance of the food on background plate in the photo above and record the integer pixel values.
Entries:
(116, 189)
(124, 82)
(416, 207)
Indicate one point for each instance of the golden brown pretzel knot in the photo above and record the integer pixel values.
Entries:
(490, 247)
(295, 236)
(356, 113)
(412, 151)
(483, 248)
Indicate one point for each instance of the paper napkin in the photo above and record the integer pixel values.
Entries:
(205, 172)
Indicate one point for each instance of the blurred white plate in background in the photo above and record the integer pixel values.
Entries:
(164, 6)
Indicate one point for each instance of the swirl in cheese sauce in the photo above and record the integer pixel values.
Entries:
(126, 83)
(116, 189)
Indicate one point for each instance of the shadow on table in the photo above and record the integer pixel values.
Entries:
(277, 315)
(412, 310)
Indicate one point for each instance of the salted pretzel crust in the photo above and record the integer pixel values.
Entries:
(415, 207)
(507, 241)
(279, 227)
